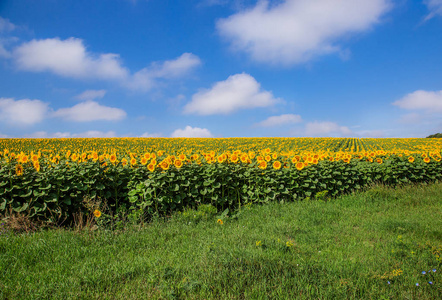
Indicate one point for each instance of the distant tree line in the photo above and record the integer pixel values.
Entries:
(436, 135)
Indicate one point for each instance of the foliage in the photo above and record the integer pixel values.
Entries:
(436, 135)
(48, 179)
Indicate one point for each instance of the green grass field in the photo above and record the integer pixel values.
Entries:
(370, 245)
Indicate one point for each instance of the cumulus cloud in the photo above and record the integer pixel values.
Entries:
(430, 101)
(6, 25)
(22, 112)
(70, 58)
(372, 133)
(326, 129)
(147, 78)
(192, 132)
(87, 134)
(91, 95)
(295, 31)
(90, 111)
(150, 135)
(240, 91)
(280, 120)
(435, 8)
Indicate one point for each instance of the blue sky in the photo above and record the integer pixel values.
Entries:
(220, 68)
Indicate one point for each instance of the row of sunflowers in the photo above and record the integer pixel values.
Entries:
(50, 178)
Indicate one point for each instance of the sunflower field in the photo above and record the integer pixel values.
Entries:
(49, 179)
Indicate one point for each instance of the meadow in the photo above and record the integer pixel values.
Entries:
(382, 243)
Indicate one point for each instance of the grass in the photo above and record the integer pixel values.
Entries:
(371, 245)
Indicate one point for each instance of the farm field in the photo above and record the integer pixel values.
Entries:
(51, 179)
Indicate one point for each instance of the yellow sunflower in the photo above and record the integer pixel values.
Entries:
(97, 213)
(276, 165)
(178, 163)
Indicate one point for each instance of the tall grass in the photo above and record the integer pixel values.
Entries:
(371, 245)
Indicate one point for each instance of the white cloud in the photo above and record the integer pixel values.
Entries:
(90, 111)
(70, 58)
(3, 52)
(326, 129)
(147, 78)
(22, 112)
(240, 91)
(191, 132)
(96, 134)
(280, 120)
(372, 133)
(295, 31)
(150, 135)
(430, 101)
(67, 58)
(6, 25)
(87, 134)
(91, 95)
(435, 8)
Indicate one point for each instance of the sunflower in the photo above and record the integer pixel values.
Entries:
(19, 170)
(276, 165)
(147, 155)
(220, 159)
(268, 158)
(24, 159)
(133, 161)
(124, 162)
(112, 158)
(95, 156)
(427, 159)
(274, 156)
(379, 160)
(411, 159)
(178, 163)
(244, 157)
(34, 158)
(294, 160)
(97, 213)
(164, 165)
(219, 221)
(37, 166)
(143, 161)
(182, 157)
(151, 167)
(262, 165)
(74, 157)
(300, 166)
(234, 158)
